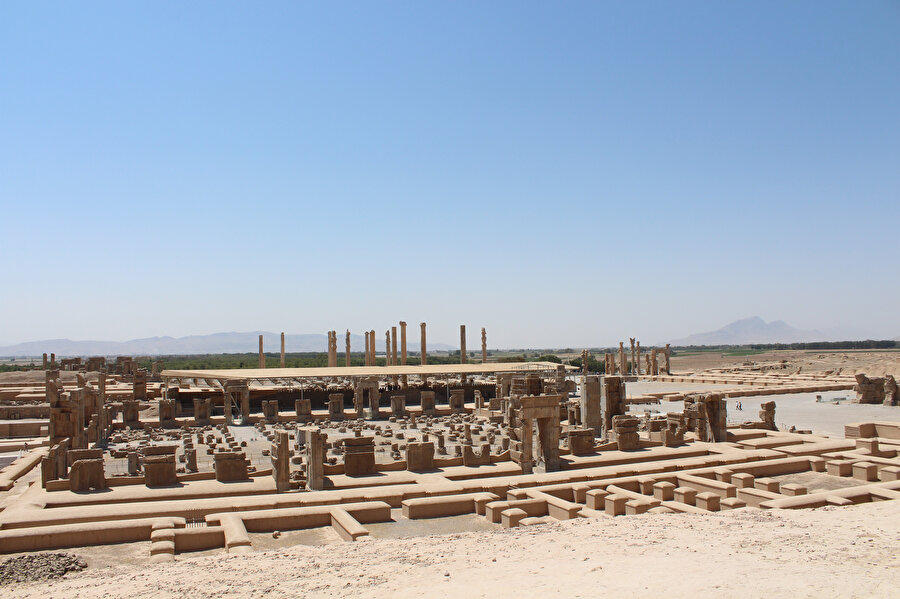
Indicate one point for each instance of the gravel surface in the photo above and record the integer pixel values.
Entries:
(39, 566)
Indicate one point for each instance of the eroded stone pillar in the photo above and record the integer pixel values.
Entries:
(462, 344)
(637, 362)
(281, 461)
(262, 357)
(347, 349)
(393, 350)
(591, 412)
(315, 458)
(622, 365)
(404, 380)
(303, 409)
(366, 360)
(633, 367)
(422, 349)
(139, 385)
(336, 406)
(483, 345)
(282, 350)
(668, 359)
(427, 401)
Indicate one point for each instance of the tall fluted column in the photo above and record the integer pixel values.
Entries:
(348, 349)
(638, 345)
(622, 358)
(404, 380)
(262, 357)
(633, 359)
(372, 351)
(483, 345)
(422, 349)
(668, 359)
(282, 350)
(462, 344)
(394, 379)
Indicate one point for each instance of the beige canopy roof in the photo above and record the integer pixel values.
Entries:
(361, 371)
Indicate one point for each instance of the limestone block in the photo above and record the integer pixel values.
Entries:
(230, 466)
(159, 470)
(615, 504)
(743, 480)
(359, 456)
(767, 484)
(792, 489)
(839, 467)
(686, 495)
(637, 506)
(708, 501)
(865, 471)
(420, 456)
(890, 473)
(731, 503)
(664, 491)
(595, 499)
(87, 474)
(510, 518)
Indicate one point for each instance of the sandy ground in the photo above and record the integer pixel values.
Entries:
(794, 409)
(869, 362)
(830, 552)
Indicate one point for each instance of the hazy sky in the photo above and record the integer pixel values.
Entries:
(564, 174)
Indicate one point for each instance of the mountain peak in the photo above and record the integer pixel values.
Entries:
(751, 330)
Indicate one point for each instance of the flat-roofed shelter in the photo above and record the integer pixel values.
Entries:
(429, 370)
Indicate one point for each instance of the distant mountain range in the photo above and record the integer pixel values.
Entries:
(217, 343)
(757, 330)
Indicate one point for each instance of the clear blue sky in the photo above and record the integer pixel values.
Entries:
(561, 173)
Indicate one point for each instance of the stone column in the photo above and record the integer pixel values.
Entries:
(46, 362)
(262, 357)
(483, 346)
(423, 349)
(347, 341)
(387, 348)
(668, 358)
(622, 365)
(52, 361)
(281, 461)
(372, 351)
(101, 389)
(333, 349)
(139, 385)
(282, 350)
(584, 362)
(366, 360)
(315, 458)
(633, 367)
(404, 380)
(462, 344)
(330, 347)
(638, 361)
(654, 368)
(393, 350)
